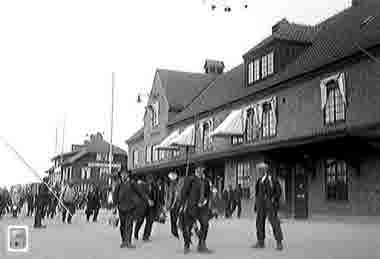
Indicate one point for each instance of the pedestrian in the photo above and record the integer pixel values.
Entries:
(172, 202)
(238, 198)
(268, 194)
(126, 197)
(150, 188)
(30, 202)
(41, 201)
(93, 204)
(194, 203)
(68, 197)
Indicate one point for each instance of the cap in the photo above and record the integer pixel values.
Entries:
(172, 176)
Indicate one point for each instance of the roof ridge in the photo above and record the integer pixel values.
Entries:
(183, 72)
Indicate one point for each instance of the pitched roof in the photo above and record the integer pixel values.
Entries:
(138, 134)
(182, 87)
(95, 146)
(289, 32)
(336, 38)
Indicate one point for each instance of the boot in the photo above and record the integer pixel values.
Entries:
(123, 244)
(130, 246)
(279, 246)
(202, 248)
(259, 244)
(186, 249)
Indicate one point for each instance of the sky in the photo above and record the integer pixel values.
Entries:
(56, 59)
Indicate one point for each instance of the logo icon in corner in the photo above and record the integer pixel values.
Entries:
(18, 239)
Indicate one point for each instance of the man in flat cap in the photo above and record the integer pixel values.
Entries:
(194, 200)
(127, 197)
(268, 194)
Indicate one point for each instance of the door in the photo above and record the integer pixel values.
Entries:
(301, 193)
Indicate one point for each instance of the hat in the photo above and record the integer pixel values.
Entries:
(172, 176)
(262, 165)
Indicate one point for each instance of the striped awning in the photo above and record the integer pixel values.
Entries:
(231, 126)
(186, 138)
(167, 142)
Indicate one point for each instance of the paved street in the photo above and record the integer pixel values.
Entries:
(229, 238)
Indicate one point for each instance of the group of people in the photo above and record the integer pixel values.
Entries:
(189, 204)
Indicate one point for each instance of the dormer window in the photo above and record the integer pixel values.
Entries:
(260, 68)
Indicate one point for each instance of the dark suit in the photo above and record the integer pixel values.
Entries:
(238, 198)
(151, 190)
(41, 201)
(190, 200)
(267, 204)
(93, 205)
(127, 197)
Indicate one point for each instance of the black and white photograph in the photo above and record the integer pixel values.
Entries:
(190, 129)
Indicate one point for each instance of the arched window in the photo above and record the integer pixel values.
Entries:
(335, 109)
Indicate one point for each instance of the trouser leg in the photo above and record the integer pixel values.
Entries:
(149, 219)
(239, 209)
(275, 223)
(204, 225)
(38, 216)
(122, 219)
(260, 224)
(129, 227)
(96, 212)
(188, 222)
(64, 211)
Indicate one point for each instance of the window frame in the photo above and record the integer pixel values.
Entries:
(335, 164)
(206, 139)
(268, 112)
(244, 179)
(334, 86)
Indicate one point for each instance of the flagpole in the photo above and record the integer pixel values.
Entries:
(112, 106)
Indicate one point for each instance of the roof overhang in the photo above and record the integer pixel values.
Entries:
(231, 126)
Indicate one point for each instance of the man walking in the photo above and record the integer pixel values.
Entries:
(41, 201)
(93, 204)
(68, 196)
(195, 196)
(30, 202)
(238, 198)
(126, 197)
(268, 193)
(151, 189)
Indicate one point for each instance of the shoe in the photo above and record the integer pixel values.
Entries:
(186, 250)
(136, 237)
(146, 240)
(279, 246)
(259, 244)
(123, 245)
(204, 250)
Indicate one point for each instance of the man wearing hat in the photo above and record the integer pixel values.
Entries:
(172, 202)
(41, 201)
(268, 193)
(194, 201)
(127, 197)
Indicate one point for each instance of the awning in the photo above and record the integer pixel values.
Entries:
(166, 143)
(186, 138)
(231, 126)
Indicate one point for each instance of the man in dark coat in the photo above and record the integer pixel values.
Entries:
(195, 196)
(127, 197)
(30, 202)
(41, 201)
(150, 188)
(268, 193)
(93, 204)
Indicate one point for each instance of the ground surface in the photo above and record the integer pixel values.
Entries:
(229, 238)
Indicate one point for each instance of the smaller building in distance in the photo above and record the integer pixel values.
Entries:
(88, 164)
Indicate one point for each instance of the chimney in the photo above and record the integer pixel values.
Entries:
(277, 26)
(213, 66)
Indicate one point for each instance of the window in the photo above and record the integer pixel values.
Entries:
(249, 129)
(336, 180)
(257, 70)
(250, 72)
(155, 110)
(268, 123)
(102, 156)
(86, 173)
(264, 67)
(243, 177)
(176, 153)
(335, 109)
(236, 140)
(135, 158)
(206, 136)
(148, 154)
(270, 63)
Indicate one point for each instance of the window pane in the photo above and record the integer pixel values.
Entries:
(257, 69)
(339, 105)
(270, 63)
(264, 71)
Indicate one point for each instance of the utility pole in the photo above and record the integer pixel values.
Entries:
(111, 132)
